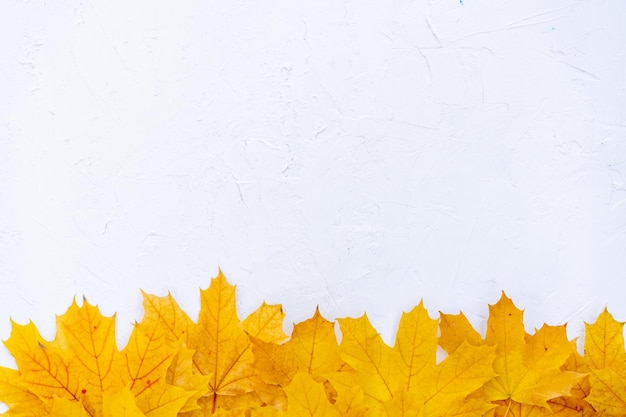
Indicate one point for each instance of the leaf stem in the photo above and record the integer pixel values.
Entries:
(508, 407)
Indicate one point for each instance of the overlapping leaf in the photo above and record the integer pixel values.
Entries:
(606, 360)
(222, 366)
(82, 372)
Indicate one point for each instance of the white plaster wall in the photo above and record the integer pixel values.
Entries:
(360, 155)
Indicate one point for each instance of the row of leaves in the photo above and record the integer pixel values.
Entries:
(173, 366)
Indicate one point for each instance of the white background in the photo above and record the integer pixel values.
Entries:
(356, 155)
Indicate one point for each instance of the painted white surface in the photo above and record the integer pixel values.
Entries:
(359, 155)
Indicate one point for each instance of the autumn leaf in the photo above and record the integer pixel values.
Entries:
(314, 346)
(224, 367)
(62, 407)
(406, 379)
(604, 343)
(605, 356)
(416, 346)
(312, 349)
(528, 367)
(351, 402)
(121, 404)
(73, 374)
(88, 341)
(576, 403)
(466, 370)
(455, 329)
(222, 347)
(42, 369)
(306, 398)
(266, 324)
(373, 361)
(427, 387)
(147, 357)
(166, 313)
(180, 373)
(21, 401)
(175, 326)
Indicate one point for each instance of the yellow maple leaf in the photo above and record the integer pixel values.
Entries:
(266, 323)
(606, 360)
(221, 344)
(404, 404)
(416, 346)
(312, 349)
(120, 404)
(175, 325)
(146, 358)
(73, 374)
(528, 366)
(455, 329)
(221, 366)
(62, 407)
(21, 401)
(180, 373)
(466, 370)
(307, 398)
(166, 312)
(88, 341)
(351, 402)
(406, 380)
(608, 393)
(373, 361)
(425, 387)
(43, 371)
(314, 346)
(574, 405)
(604, 343)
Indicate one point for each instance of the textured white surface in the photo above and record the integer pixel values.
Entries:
(359, 155)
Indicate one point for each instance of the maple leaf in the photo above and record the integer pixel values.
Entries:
(88, 342)
(266, 323)
(576, 404)
(528, 366)
(222, 347)
(351, 402)
(604, 343)
(606, 359)
(416, 346)
(437, 386)
(372, 360)
(21, 401)
(166, 313)
(406, 379)
(455, 329)
(120, 404)
(225, 367)
(62, 407)
(74, 374)
(312, 349)
(180, 373)
(43, 372)
(466, 370)
(307, 398)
